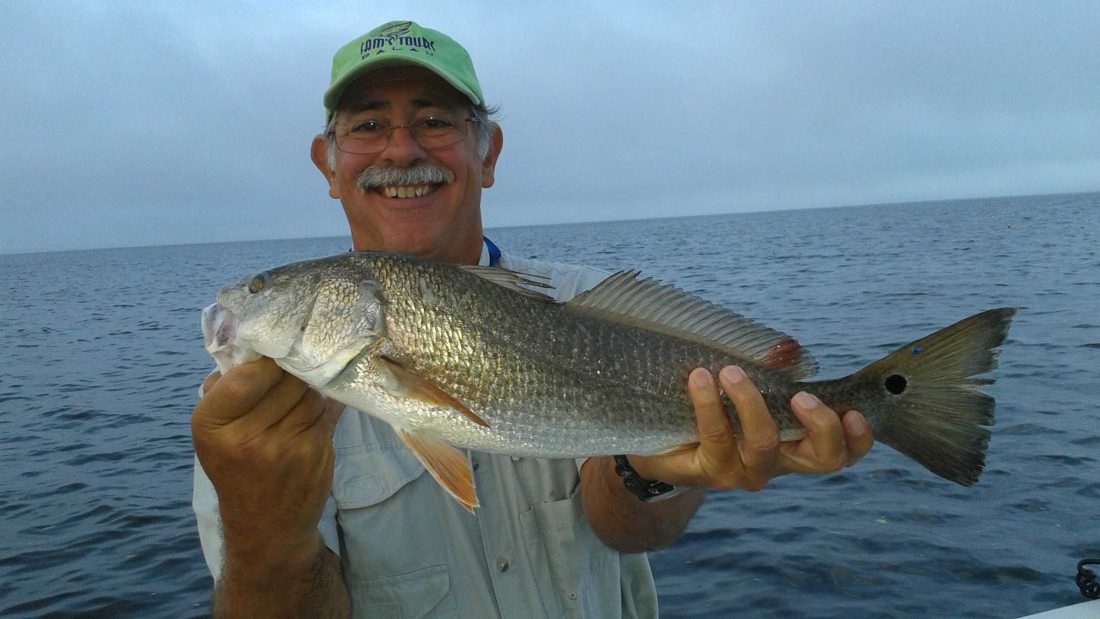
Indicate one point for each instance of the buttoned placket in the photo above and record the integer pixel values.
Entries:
(502, 560)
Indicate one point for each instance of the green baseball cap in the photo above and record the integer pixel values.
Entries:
(402, 43)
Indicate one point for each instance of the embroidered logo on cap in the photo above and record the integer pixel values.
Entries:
(395, 38)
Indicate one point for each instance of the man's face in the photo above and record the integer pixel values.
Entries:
(436, 220)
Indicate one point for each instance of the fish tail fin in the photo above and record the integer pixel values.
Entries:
(924, 399)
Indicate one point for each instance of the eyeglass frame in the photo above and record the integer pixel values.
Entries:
(410, 127)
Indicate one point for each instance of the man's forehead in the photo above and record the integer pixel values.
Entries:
(411, 81)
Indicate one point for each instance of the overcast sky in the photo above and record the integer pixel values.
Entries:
(145, 123)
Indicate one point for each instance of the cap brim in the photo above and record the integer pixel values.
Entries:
(336, 91)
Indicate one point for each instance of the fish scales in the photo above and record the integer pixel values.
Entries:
(534, 369)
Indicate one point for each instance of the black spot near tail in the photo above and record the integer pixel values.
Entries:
(896, 384)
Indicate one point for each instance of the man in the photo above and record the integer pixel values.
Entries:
(323, 512)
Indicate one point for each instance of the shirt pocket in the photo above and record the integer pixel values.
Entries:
(415, 595)
(575, 556)
(388, 571)
(371, 462)
(365, 478)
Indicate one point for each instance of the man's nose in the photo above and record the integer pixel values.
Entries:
(402, 148)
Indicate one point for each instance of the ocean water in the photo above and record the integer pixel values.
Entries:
(102, 355)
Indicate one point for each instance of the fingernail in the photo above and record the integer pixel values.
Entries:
(733, 374)
(806, 400)
(857, 425)
(700, 377)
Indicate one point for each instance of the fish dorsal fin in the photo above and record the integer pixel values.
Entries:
(514, 280)
(650, 304)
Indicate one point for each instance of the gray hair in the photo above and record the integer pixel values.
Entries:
(484, 119)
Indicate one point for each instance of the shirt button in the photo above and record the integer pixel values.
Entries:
(502, 564)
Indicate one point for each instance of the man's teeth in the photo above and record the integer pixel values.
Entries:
(405, 191)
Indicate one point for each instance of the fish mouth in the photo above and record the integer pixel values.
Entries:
(219, 336)
(218, 327)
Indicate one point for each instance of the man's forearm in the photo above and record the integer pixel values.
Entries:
(312, 587)
(625, 523)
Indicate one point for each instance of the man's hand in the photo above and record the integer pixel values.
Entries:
(720, 460)
(264, 439)
(724, 461)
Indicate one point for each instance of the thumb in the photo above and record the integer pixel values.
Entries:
(330, 417)
(208, 383)
(228, 397)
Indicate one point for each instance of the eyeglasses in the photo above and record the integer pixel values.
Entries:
(369, 136)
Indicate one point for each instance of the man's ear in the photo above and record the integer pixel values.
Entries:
(318, 151)
(489, 163)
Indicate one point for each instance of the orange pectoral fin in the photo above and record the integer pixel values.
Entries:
(415, 386)
(447, 465)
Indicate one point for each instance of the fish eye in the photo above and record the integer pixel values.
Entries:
(257, 283)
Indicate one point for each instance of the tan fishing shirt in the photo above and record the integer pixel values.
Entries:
(409, 550)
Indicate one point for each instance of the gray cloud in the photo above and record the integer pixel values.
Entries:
(139, 123)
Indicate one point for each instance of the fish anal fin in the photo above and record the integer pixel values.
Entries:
(447, 465)
(415, 386)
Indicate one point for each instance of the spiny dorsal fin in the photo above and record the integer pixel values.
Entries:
(656, 306)
(513, 280)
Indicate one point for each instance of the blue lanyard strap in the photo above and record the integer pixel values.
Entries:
(494, 252)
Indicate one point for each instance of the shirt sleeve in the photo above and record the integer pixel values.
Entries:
(327, 526)
(205, 503)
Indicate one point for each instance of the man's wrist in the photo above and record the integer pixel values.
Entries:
(647, 490)
(263, 559)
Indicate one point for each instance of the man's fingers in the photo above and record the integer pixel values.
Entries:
(751, 457)
(715, 432)
(857, 435)
(238, 391)
(331, 416)
(314, 413)
(280, 402)
(210, 380)
(759, 441)
(827, 450)
(253, 397)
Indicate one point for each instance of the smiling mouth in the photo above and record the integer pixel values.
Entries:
(407, 191)
(397, 183)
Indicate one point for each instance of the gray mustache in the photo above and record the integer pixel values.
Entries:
(417, 174)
